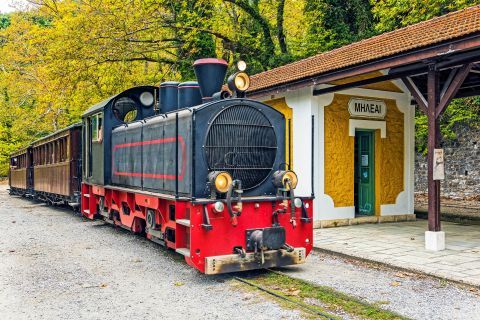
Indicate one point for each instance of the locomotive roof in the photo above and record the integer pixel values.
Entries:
(98, 106)
(101, 105)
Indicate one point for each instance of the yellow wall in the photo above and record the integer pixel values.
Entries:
(281, 105)
(391, 156)
(339, 155)
(339, 148)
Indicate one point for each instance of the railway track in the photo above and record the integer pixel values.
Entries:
(307, 308)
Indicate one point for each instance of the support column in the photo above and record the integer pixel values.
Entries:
(433, 142)
(434, 237)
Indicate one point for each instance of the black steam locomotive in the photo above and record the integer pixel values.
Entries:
(197, 170)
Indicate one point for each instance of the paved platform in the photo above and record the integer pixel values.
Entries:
(402, 245)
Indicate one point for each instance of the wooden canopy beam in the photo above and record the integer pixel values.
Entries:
(453, 87)
(415, 92)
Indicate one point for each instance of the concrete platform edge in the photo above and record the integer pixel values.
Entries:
(393, 266)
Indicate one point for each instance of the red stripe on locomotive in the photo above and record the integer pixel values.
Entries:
(153, 175)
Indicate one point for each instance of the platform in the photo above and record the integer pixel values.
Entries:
(402, 245)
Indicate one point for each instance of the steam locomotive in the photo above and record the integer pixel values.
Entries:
(195, 168)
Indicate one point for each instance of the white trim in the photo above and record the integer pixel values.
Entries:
(330, 212)
(400, 206)
(303, 107)
(354, 124)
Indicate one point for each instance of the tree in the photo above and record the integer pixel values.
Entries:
(334, 23)
(394, 14)
(4, 21)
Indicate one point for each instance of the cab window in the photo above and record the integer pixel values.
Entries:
(96, 127)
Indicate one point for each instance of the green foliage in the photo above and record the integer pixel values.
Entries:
(464, 112)
(334, 23)
(4, 21)
(394, 14)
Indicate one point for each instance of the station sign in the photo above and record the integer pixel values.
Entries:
(438, 165)
(366, 108)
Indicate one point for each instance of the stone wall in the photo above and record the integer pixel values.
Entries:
(462, 166)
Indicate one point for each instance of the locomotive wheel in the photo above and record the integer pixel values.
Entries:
(100, 206)
(151, 223)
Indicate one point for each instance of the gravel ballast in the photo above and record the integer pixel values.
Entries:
(411, 295)
(55, 265)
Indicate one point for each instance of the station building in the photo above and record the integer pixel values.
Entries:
(350, 116)
(359, 144)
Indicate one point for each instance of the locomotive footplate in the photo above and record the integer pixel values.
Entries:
(272, 258)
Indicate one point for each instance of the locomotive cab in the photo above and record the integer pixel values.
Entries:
(98, 121)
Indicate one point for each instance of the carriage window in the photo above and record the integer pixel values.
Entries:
(51, 153)
(63, 144)
(96, 124)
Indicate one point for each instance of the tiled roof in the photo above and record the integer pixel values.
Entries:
(453, 25)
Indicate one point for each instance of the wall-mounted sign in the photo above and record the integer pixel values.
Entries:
(366, 108)
(438, 165)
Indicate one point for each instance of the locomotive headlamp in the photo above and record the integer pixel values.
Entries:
(146, 98)
(282, 177)
(239, 82)
(242, 65)
(220, 180)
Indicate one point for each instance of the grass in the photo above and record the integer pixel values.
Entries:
(325, 299)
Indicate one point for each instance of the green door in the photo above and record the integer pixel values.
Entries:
(364, 173)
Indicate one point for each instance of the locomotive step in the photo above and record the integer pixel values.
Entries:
(183, 251)
(184, 222)
(86, 195)
(86, 211)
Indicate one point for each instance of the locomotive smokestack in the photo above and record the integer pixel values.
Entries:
(210, 74)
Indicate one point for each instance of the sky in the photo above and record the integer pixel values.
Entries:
(5, 5)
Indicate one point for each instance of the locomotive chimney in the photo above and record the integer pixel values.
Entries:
(210, 74)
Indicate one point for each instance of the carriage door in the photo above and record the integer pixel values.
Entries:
(364, 173)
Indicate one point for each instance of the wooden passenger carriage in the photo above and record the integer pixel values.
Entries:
(57, 166)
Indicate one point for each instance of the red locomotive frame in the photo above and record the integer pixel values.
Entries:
(205, 247)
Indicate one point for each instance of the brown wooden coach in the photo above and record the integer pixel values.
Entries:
(20, 175)
(57, 166)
